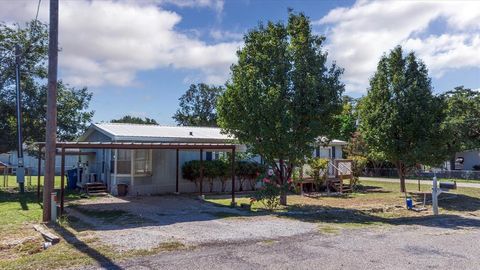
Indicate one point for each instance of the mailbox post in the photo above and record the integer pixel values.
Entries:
(435, 193)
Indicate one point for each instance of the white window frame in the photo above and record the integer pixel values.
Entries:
(147, 163)
(133, 173)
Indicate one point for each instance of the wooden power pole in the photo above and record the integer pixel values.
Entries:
(51, 135)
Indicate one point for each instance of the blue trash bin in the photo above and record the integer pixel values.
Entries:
(409, 202)
(72, 179)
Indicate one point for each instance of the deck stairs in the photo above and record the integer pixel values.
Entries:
(96, 188)
(338, 184)
(339, 179)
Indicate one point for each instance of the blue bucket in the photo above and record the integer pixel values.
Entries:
(409, 203)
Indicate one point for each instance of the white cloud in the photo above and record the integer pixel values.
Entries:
(357, 36)
(220, 35)
(108, 42)
(217, 5)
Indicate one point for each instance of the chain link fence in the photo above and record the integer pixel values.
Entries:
(8, 178)
(423, 174)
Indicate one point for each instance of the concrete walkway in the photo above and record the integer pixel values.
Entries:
(415, 181)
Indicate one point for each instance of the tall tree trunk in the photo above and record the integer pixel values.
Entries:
(401, 175)
(283, 193)
(452, 163)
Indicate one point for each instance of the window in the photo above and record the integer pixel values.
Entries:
(325, 152)
(124, 161)
(213, 155)
(143, 162)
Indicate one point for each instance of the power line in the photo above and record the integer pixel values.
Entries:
(38, 8)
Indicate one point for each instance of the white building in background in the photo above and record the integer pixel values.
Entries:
(466, 160)
(31, 162)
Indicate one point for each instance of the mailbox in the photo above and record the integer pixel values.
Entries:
(448, 185)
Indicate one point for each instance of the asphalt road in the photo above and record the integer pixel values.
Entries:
(442, 243)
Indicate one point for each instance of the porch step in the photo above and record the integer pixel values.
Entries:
(338, 185)
(96, 188)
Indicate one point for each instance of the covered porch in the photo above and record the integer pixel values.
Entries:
(65, 148)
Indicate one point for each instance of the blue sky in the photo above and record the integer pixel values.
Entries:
(138, 57)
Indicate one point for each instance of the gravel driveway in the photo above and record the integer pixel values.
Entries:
(400, 247)
(159, 219)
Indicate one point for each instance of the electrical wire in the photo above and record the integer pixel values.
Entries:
(31, 31)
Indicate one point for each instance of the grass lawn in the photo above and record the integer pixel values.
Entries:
(374, 203)
(21, 245)
(30, 181)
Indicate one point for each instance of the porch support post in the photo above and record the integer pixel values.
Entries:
(115, 168)
(132, 170)
(176, 175)
(233, 203)
(62, 181)
(201, 172)
(39, 171)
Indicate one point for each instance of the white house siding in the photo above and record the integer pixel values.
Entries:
(471, 158)
(163, 175)
(31, 162)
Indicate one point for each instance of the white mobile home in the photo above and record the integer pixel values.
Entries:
(154, 171)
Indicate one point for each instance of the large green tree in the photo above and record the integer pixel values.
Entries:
(462, 120)
(135, 120)
(198, 106)
(282, 96)
(400, 117)
(347, 119)
(72, 103)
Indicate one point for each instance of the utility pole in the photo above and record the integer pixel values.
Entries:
(20, 172)
(51, 134)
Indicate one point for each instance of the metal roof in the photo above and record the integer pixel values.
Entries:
(157, 133)
(144, 145)
(160, 133)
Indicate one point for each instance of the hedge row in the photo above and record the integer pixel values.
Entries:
(220, 171)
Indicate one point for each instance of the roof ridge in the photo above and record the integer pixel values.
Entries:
(159, 125)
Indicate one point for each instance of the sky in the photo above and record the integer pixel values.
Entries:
(138, 57)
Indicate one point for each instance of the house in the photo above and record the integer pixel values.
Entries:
(31, 162)
(466, 160)
(148, 158)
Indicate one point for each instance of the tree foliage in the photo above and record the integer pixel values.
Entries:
(72, 103)
(282, 95)
(198, 106)
(462, 119)
(347, 119)
(135, 120)
(400, 117)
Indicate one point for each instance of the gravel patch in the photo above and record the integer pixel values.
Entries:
(399, 247)
(159, 219)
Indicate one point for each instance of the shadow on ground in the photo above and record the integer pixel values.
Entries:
(354, 216)
(102, 260)
(12, 195)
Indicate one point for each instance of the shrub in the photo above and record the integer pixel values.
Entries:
(191, 171)
(359, 164)
(318, 167)
(248, 171)
(269, 194)
(224, 173)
